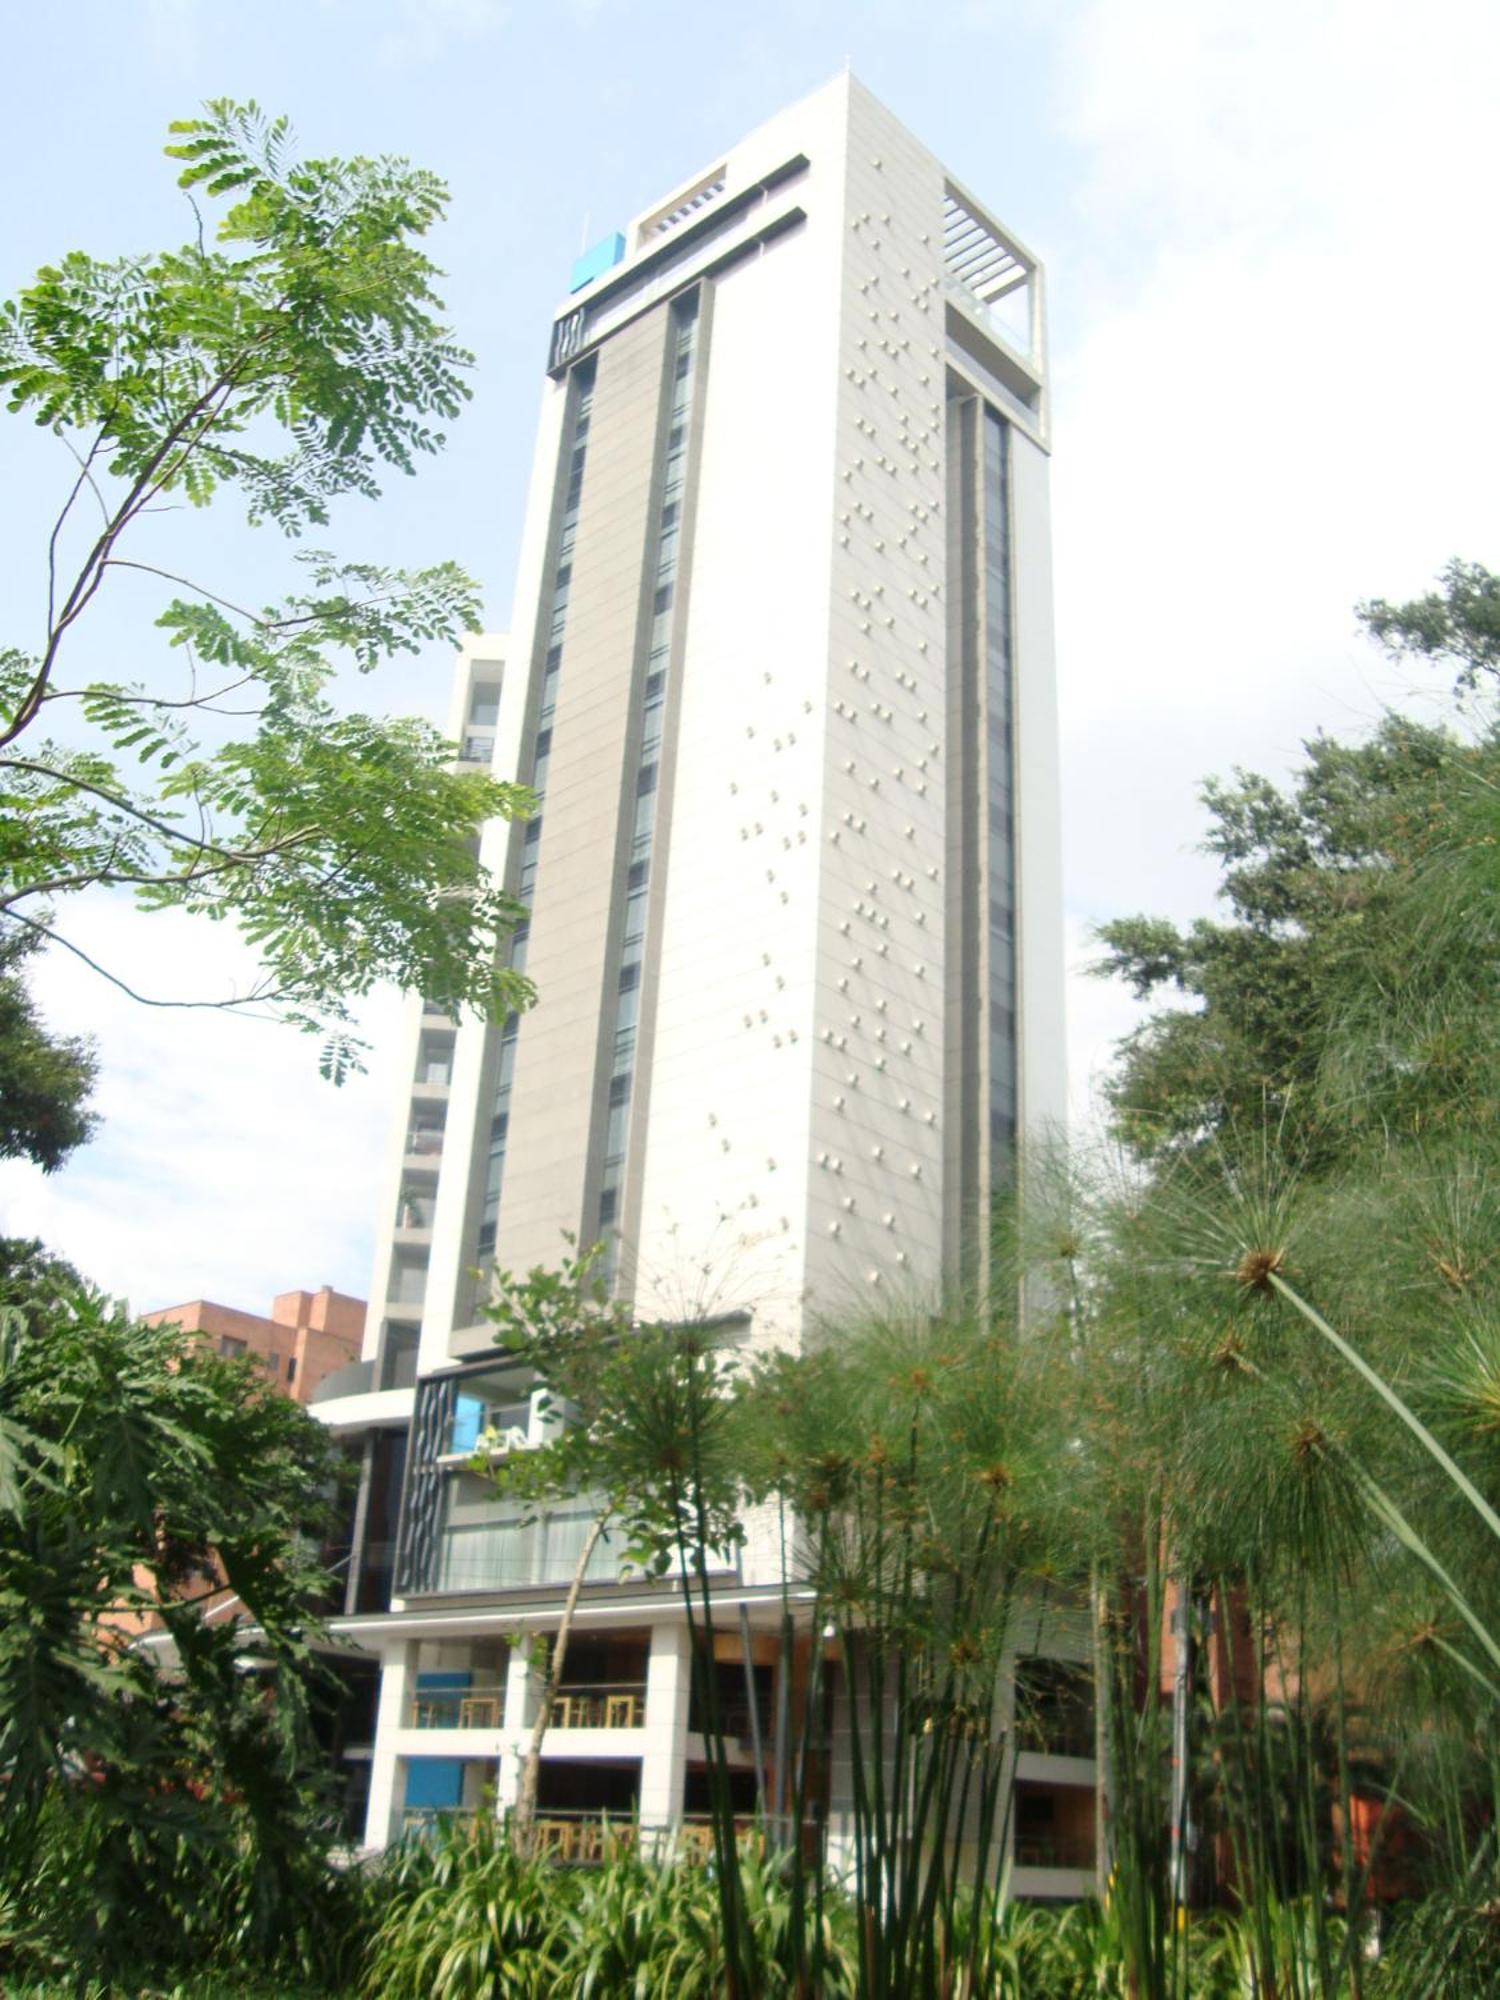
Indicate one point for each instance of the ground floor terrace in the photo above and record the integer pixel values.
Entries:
(626, 1752)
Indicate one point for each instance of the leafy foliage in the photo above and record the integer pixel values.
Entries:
(45, 1079)
(159, 1807)
(291, 361)
(1350, 995)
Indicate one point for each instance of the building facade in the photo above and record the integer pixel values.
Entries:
(309, 1335)
(781, 674)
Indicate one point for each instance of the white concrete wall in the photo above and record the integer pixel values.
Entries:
(875, 1208)
(723, 1207)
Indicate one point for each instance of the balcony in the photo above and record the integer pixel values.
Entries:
(1054, 1714)
(477, 747)
(1054, 1851)
(423, 1148)
(485, 1429)
(601, 1705)
(1066, 1735)
(458, 1708)
(415, 1211)
(584, 1839)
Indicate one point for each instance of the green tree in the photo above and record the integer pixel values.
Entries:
(1349, 993)
(565, 1330)
(154, 1799)
(1288, 1370)
(45, 1079)
(290, 358)
(640, 1424)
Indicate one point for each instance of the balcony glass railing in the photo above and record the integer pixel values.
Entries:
(425, 1142)
(480, 1425)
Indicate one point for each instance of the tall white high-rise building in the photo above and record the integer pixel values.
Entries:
(781, 673)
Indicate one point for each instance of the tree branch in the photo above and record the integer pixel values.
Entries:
(196, 871)
(148, 483)
(163, 827)
(198, 589)
(203, 701)
(247, 1000)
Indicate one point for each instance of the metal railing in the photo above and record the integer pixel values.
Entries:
(458, 1708)
(424, 1819)
(600, 1705)
(584, 1838)
(1053, 1851)
(579, 1838)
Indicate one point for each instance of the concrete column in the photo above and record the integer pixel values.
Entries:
(382, 1820)
(669, 1685)
(520, 1693)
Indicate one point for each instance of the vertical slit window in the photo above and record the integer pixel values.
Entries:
(1000, 817)
(663, 572)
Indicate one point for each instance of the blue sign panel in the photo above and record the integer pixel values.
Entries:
(594, 263)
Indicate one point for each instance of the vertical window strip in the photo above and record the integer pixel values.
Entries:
(537, 766)
(1000, 818)
(643, 829)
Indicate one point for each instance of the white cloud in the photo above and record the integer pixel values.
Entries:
(224, 1168)
(1274, 395)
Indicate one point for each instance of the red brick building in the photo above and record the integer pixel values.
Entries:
(307, 1336)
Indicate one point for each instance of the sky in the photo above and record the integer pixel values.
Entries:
(1272, 308)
